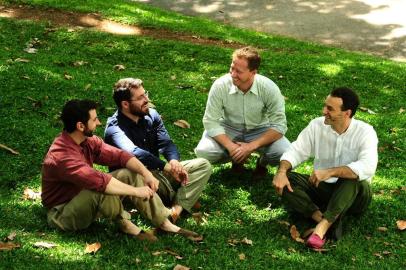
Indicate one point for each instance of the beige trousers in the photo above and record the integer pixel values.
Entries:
(88, 205)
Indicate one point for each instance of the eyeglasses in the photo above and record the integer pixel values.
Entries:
(143, 96)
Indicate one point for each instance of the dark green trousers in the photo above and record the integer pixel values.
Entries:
(333, 200)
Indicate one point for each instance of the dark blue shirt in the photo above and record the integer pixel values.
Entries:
(146, 139)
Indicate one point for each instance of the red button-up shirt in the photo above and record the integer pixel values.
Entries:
(68, 168)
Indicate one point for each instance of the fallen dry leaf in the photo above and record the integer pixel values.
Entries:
(156, 253)
(233, 242)
(30, 194)
(9, 149)
(79, 63)
(87, 87)
(401, 110)
(44, 245)
(137, 260)
(364, 109)
(11, 236)
(401, 224)
(241, 256)
(21, 60)
(246, 241)
(403, 188)
(382, 229)
(378, 255)
(92, 248)
(182, 123)
(385, 252)
(67, 76)
(181, 267)
(294, 233)
(291, 250)
(173, 253)
(30, 50)
(119, 67)
(173, 77)
(8, 246)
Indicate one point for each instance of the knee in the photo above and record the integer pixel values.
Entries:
(205, 165)
(208, 155)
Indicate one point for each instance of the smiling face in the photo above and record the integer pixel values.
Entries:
(242, 77)
(333, 113)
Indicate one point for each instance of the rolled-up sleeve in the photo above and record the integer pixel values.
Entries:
(367, 162)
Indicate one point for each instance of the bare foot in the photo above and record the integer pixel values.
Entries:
(130, 228)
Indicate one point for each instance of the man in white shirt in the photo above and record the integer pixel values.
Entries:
(245, 113)
(345, 159)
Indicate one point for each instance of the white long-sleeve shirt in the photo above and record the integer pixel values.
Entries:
(356, 148)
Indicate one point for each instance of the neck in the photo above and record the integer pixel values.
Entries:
(246, 86)
(340, 129)
(77, 137)
(133, 117)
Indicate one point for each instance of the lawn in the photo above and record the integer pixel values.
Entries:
(81, 63)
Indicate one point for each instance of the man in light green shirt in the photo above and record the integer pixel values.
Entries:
(245, 113)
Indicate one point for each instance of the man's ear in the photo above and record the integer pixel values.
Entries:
(125, 104)
(348, 113)
(80, 126)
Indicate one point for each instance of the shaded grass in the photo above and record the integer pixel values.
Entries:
(33, 93)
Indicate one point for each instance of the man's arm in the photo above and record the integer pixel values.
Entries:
(280, 180)
(115, 136)
(136, 166)
(340, 172)
(244, 150)
(116, 187)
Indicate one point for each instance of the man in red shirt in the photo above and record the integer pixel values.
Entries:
(76, 194)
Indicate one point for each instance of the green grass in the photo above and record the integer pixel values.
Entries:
(32, 94)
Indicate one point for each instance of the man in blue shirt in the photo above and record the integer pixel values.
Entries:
(138, 129)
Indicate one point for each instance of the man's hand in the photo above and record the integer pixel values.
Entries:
(144, 192)
(151, 181)
(280, 181)
(177, 171)
(319, 176)
(240, 153)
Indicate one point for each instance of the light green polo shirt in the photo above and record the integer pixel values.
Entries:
(262, 106)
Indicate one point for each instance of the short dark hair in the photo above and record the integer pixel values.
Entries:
(251, 55)
(76, 110)
(349, 97)
(122, 89)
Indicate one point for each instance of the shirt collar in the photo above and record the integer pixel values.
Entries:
(254, 89)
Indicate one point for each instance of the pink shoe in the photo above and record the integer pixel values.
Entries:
(315, 242)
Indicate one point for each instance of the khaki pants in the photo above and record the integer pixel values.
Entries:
(88, 205)
(170, 190)
(333, 200)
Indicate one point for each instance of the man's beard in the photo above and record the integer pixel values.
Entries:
(138, 112)
(87, 132)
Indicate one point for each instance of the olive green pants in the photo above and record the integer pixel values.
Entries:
(88, 205)
(333, 200)
(172, 192)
